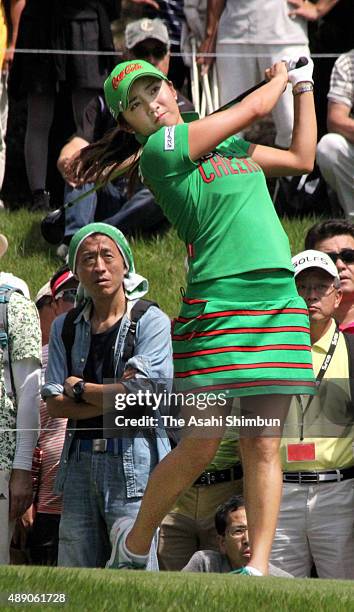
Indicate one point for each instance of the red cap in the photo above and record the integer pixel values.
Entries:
(60, 281)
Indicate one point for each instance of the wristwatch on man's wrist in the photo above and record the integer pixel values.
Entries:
(78, 390)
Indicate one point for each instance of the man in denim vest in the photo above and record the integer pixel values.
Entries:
(104, 478)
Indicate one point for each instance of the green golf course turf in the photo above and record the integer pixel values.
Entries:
(127, 591)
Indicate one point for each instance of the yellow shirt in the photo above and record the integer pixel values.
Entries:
(327, 416)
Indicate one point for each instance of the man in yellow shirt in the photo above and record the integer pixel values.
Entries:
(316, 520)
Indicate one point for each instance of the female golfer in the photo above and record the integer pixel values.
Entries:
(242, 329)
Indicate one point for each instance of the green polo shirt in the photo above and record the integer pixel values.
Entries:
(220, 205)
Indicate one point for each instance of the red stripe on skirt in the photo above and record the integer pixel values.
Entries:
(254, 383)
(244, 349)
(231, 313)
(226, 368)
(241, 330)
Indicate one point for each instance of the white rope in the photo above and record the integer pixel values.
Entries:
(173, 54)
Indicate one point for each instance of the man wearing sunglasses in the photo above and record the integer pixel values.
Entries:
(148, 39)
(336, 238)
(234, 548)
(316, 518)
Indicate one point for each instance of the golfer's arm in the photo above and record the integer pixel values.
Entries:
(204, 135)
(300, 156)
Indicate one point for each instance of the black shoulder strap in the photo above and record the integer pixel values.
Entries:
(68, 330)
(68, 335)
(135, 314)
(349, 340)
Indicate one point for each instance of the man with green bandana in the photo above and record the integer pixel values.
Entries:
(104, 478)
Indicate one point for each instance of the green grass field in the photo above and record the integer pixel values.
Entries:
(122, 591)
(160, 259)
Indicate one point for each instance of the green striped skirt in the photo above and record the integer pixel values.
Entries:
(244, 335)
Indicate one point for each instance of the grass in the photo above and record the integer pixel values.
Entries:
(160, 259)
(124, 591)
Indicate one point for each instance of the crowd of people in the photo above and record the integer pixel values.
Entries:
(242, 38)
(260, 336)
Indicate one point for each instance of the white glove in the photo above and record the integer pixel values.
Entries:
(298, 75)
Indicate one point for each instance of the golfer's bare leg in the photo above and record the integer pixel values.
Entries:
(176, 472)
(262, 477)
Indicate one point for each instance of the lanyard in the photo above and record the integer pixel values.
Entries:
(324, 367)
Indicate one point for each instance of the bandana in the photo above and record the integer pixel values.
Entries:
(135, 285)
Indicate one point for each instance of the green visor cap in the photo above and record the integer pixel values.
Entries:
(118, 83)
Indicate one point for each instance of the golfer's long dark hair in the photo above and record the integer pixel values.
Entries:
(117, 152)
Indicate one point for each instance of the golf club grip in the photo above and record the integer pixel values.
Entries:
(302, 61)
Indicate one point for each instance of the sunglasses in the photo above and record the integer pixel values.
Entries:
(346, 255)
(144, 51)
(67, 295)
(320, 289)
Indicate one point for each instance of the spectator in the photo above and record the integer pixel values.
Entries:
(148, 39)
(335, 151)
(234, 549)
(82, 25)
(316, 519)
(19, 410)
(56, 297)
(336, 238)
(332, 35)
(103, 478)
(10, 13)
(112, 204)
(248, 36)
(171, 13)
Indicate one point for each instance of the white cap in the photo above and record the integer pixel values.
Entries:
(142, 29)
(314, 259)
(6, 278)
(44, 291)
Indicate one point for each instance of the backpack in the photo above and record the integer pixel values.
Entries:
(5, 294)
(68, 331)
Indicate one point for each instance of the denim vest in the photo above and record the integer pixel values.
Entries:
(153, 360)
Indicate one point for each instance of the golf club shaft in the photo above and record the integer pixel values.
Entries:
(302, 61)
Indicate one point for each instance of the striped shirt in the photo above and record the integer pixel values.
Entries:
(51, 442)
(172, 14)
(342, 80)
